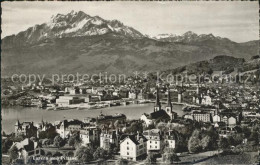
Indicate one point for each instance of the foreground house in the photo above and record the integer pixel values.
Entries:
(26, 149)
(170, 138)
(89, 135)
(154, 138)
(133, 147)
(108, 138)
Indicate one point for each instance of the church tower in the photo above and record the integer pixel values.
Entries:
(157, 106)
(168, 108)
(16, 127)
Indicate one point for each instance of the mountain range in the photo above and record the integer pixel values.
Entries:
(77, 42)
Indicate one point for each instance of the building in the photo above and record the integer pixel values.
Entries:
(45, 127)
(108, 138)
(168, 108)
(216, 118)
(26, 129)
(170, 138)
(66, 127)
(147, 119)
(133, 147)
(159, 114)
(68, 100)
(108, 119)
(206, 100)
(25, 149)
(154, 138)
(202, 116)
(89, 135)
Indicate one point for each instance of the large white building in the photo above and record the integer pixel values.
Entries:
(68, 100)
(133, 147)
(154, 138)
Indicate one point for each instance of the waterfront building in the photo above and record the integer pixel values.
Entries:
(108, 119)
(159, 114)
(26, 129)
(66, 127)
(68, 100)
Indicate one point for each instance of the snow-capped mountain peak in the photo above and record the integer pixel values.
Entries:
(76, 24)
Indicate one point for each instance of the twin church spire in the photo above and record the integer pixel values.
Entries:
(157, 106)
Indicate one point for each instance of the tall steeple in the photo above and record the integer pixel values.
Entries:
(169, 103)
(168, 107)
(157, 106)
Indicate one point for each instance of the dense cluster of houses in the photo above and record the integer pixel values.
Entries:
(222, 109)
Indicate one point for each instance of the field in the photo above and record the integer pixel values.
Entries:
(243, 158)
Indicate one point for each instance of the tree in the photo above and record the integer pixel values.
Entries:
(223, 143)
(254, 137)
(246, 131)
(150, 159)
(135, 127)
(121, 161)
(206, 143)
(235, 139)
(162, 126)
(70, 154)
(84, 154)
(74, 140)
(13, 153)
(59, 142)
(100, 153)
(194, 143)
(169, 156)
(6, 145)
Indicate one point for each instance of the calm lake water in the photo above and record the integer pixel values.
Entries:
(11, 114)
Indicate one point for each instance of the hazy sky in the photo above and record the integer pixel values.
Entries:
(238, 21)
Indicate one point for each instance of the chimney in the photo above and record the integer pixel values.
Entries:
(137, 137)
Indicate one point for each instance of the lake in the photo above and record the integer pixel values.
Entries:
(11, 114)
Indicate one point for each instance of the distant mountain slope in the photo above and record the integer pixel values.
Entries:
(226, 64)
(77, 42)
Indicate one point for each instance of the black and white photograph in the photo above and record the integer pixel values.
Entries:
(130, 82)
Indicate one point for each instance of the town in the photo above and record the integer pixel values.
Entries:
(219, 121)
(130, 83)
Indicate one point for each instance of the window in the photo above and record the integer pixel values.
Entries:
(127, 153)
(155, 146)
(155, 142)
(127, 148)
(150, 141)
(127, 143)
